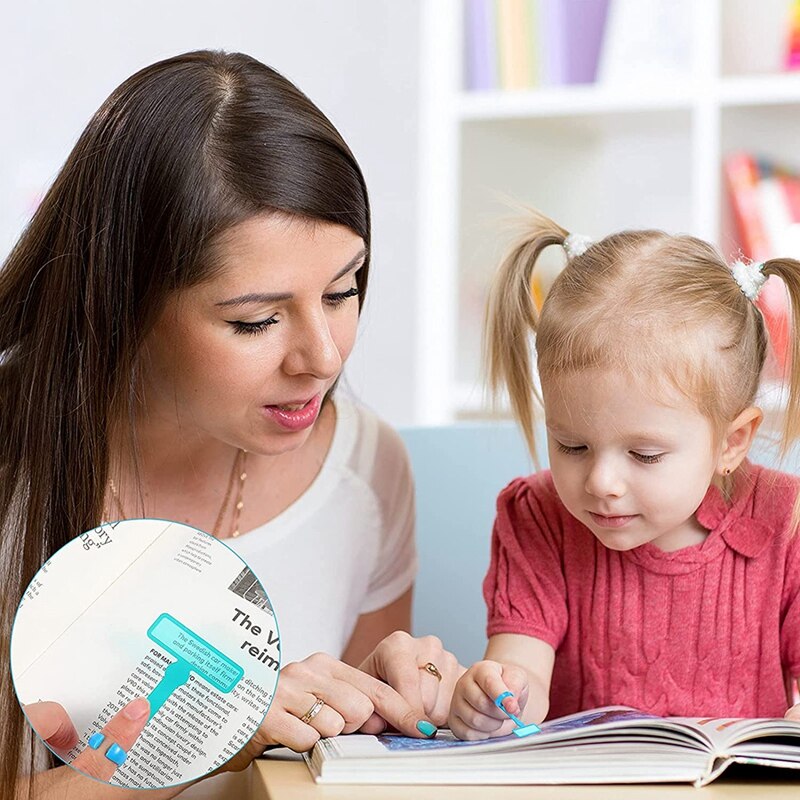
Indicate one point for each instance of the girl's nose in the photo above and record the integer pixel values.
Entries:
(604, 479)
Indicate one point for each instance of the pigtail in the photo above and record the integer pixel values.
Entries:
(788, 270)
(511, 317)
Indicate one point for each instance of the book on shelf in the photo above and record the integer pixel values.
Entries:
(765, 200)
(571, 39)
(515, 44)
(793, 48)
(580, 36)
(480, 40)
(522, 44)
(608, 745)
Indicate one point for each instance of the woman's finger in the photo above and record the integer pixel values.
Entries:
(300, 686)
(354, 706)
(108, 748)
(395, 661)
(51, 721)
(375, 725)
(323, 677)
(325, 718)
(437, 692)
(419, 669)
(392, 707)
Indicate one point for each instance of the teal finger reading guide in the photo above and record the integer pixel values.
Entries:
(192, 654)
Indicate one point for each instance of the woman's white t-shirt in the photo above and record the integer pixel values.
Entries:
(344, 548)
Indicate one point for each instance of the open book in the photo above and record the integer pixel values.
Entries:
(606, 745)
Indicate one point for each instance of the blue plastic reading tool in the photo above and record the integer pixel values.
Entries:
(522, 729)
(192, 654)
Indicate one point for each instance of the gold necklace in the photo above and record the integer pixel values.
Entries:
(239, 467)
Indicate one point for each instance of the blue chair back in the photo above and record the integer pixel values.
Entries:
(459, 471)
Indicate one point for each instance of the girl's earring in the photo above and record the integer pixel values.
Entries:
(727, 471)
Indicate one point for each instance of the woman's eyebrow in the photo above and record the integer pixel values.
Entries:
(360, 256)
(280, 297)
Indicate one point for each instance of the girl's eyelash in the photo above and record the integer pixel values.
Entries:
(252, 328)
(648, 459)
(570, 451)
(339, 297)
(643, 458)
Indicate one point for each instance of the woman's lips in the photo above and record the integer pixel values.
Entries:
(295, 419)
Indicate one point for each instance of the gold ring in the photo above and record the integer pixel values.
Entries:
(313, 711)
(433, 670)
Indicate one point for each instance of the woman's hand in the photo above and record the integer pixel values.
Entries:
(473, 714)
(420, 670)
(350, 698)
(51, 721)
(53, 725)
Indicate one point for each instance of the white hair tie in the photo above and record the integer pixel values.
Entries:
(749, 277)
(576, 244)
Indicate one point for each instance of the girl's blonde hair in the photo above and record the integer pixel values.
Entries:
(647, 302)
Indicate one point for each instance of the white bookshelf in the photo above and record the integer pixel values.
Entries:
(597, 158)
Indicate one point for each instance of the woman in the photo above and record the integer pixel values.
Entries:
(173, 324)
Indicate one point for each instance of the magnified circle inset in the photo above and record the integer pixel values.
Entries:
(151, 609)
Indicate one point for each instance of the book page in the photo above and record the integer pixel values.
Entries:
(155, 609)
(725, 733)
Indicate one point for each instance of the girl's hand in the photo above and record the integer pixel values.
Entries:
(473, 713)
(420, 670)
(350, 696)
(792, 687)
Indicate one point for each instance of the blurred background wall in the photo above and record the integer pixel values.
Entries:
(605, 114)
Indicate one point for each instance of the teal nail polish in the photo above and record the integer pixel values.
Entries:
(95, 740)
(423, 726)
(116, 754)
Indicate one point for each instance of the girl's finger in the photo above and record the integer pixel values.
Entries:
(476, 720)
(490, 680)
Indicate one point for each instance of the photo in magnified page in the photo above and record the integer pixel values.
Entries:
(156, 609)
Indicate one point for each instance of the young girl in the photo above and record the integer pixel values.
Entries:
(653, 565)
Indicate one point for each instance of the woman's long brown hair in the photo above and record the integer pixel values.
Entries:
(179, 153)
